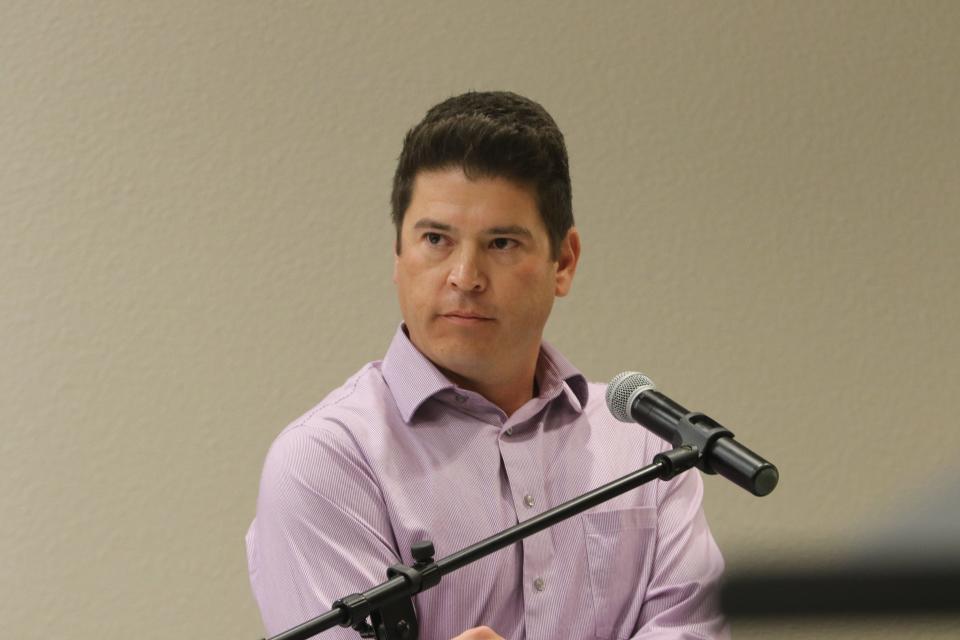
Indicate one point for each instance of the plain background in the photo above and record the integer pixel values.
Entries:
(195, 247)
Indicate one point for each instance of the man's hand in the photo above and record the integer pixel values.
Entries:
(479, 633)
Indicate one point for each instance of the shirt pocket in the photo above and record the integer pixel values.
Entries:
(620, 547)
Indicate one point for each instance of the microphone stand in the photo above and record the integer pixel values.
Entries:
(389, 605)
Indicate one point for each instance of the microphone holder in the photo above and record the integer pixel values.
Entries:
(389, 605)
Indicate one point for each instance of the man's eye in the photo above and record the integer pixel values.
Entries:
(433, 238)
(503, 243)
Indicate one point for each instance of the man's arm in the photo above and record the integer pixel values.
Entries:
(321, 531)
(682, 596)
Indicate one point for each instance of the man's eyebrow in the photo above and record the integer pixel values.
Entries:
(507, 230)
(510, 230)
(427, 223)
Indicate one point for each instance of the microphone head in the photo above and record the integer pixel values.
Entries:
(623, 390)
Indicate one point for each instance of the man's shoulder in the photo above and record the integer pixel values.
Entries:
(360, 389)
(322, 459)
(362, 401)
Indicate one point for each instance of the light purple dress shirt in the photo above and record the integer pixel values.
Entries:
(400, 454)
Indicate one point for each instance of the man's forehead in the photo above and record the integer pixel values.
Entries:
(446, 199)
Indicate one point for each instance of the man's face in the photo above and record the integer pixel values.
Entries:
(475, 277)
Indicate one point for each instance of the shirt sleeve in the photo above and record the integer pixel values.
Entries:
(321, 529)
(682, 596)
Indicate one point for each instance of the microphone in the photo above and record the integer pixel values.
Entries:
(632, 397)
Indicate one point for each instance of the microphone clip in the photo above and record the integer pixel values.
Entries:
(700, 432)
(676, 461)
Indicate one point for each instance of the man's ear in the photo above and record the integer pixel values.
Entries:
(396, 257)
(567, 261)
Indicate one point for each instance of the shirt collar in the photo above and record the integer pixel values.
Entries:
(554, 368)
(413, 379)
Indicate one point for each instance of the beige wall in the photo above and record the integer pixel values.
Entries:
(195, 247)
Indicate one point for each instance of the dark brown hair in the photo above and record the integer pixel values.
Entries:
(491, 134)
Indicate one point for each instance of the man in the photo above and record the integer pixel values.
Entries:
(472, 423)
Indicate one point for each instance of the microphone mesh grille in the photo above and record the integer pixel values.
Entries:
(623, 389)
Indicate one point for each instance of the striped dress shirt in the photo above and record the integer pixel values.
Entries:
(400, 454)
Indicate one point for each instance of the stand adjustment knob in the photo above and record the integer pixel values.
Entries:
(423, 551)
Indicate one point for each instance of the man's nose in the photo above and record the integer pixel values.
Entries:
(466, 273)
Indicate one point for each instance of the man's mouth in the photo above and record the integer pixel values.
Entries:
(466, 317)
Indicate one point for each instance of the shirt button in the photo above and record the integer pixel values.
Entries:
(461, 398)
(528, 500)
(510, 431)
(539, 584)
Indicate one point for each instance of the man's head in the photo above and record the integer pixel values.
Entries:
(485, 240)
(492, 134)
